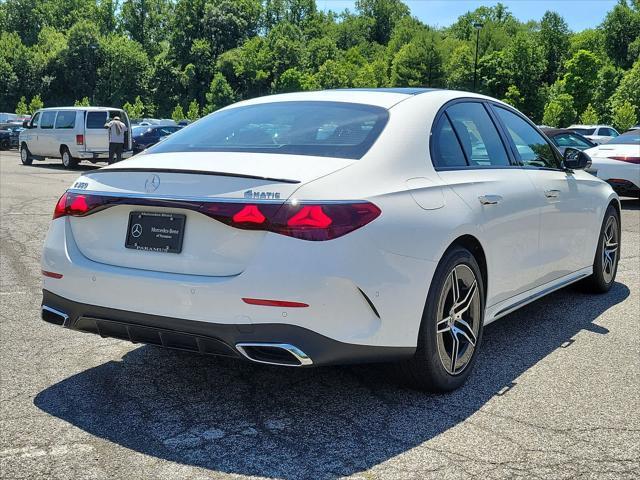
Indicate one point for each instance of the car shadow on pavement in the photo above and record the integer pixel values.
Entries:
(59, 166)
(241, 418)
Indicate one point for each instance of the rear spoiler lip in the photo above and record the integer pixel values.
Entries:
(193, 172)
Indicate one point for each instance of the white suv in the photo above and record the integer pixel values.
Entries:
(596, 133)
(70, 133)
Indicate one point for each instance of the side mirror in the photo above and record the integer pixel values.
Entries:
(25, 124)
(575, 159)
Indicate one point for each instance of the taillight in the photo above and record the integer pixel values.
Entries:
(627, 159)
(79, 139)
(306, 221)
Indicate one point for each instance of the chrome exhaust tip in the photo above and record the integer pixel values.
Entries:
(282, 354)
(54, 316)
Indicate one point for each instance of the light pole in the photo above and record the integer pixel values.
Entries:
(477, 26)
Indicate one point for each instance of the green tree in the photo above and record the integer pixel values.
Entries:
(294, 80)
(146, 21)
(193, 113)
(609, 77)
(21, 107)
(629, 88)
(624, 116)
(459, 68)
(383, 16)
(82, 103)
(525, 64)
(513, 97)
(419, 63)
(621, 27)
(589, 116)
(220, 94)
(136, 110)
(581, 77)
(335, 74)
(178, 113)
(35, 104)
(559, 112)
(123, 71)
(554, 36)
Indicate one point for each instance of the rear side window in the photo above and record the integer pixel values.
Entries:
(447, 151)
(532, 148)
(325, 129)
(584, 131)
(477, 134)
(571, 140)
(47, 119)
(96, 119)
(66, 119)
(609, 132)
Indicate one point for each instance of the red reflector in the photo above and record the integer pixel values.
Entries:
(51, 274)
(79, 139)
(310, 216)
(627, 159)
(274, 303)
(249, 214)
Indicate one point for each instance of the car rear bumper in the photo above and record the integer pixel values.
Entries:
(211, 338)
(100, 155)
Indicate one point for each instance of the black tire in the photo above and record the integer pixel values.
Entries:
(68, 161)
(25, 155)
(426, 370)
(604, 271)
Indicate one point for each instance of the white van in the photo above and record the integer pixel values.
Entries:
(72, 134)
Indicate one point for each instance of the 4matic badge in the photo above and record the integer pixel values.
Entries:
(261, 195)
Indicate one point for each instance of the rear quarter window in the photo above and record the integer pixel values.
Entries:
(96, 120)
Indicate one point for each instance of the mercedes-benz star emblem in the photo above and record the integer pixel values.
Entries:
(136, 230)
(152, 183)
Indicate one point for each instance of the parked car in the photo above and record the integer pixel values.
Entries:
(597, 133)
(146, 122)
(72, 134)
(14, 130)
(144, 137)
(7, 117)
(635, 127)
(330, 227)
(618, 163)
(564, 138)
(5, 139)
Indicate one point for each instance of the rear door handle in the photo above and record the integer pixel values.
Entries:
(490, 199)
(552, 193)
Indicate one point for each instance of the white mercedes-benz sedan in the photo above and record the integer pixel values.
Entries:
(331, 227)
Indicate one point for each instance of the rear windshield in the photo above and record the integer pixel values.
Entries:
(625, 139)
(584, 131)
(325, 129)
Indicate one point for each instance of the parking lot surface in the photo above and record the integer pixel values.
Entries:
(555, 393)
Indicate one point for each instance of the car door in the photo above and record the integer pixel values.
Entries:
(471, 158)
(30, 135)
(564, 198)
(96, 137)
(46, 134)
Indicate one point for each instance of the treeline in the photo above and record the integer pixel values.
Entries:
(189, 57)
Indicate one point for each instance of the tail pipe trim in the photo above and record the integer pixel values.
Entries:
(283, 354)
(54, 316)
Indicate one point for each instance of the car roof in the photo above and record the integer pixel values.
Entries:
(557, 131)
(589, 126)
(81, 108)
(381, 97)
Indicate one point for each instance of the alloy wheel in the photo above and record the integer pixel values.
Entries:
(610, 249)
(458, 320)
(65, 158)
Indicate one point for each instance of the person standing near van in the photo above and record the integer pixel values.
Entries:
(116, 138)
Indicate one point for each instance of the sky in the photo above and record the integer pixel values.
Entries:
(579, 14)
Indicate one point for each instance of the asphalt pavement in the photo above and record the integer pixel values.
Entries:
(555, 393)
